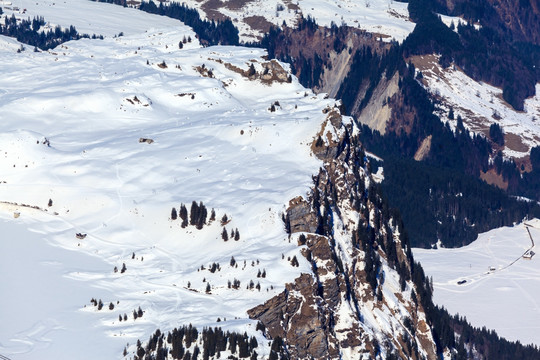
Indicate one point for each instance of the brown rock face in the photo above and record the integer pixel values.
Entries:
(339, 310)
(295, 315)
(301, 217)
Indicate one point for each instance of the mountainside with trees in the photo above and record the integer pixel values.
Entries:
(327, 274)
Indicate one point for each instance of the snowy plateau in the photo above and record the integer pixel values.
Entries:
(72, 120)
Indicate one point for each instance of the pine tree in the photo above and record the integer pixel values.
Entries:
(251, 70)
(193, 213)
(224, 220)
(184, 215)
(236, 235)
(224, 235)
(201, 218)
(174, 214)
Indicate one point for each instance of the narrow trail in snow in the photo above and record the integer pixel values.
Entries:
(482, 275)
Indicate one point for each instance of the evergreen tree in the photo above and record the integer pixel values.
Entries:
(184, 215)
(224, 235)
(224, 220)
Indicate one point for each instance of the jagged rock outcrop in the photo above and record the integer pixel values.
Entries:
(300, 216)
(297, 307)
(359, 300)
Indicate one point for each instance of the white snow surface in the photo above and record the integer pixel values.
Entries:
(500, 292)
(385, 17)
(215, 141)
(90, 17)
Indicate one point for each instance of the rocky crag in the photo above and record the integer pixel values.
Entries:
(359, 300)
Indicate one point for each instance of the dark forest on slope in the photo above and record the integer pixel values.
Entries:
(455, 220)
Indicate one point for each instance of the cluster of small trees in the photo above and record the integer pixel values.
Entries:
(122, 270)
(294, 261)
(261, 274)
(29, 32)
(183, 343)
(209, 32)
(138, 313)
(252, 285)
(214, 267)
(235, 234)
(235, 284)
(196, 216)
(99, 304)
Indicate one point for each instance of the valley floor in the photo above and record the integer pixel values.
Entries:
(499, 292)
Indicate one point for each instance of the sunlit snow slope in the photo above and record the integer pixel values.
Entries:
(499, 288)
(71, 121)
(386, 18)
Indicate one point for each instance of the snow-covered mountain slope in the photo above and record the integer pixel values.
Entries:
(72, 134)
(87, 16)
(490, 282)
(97, 151)
(386, 18)
(480, 105)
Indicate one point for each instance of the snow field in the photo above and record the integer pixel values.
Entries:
(495, 295)
(215, 141)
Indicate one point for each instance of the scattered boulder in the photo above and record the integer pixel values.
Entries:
(146, 140)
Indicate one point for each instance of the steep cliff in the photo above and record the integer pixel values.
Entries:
(358, 300)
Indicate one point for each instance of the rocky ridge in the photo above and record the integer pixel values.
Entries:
(359, 300)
